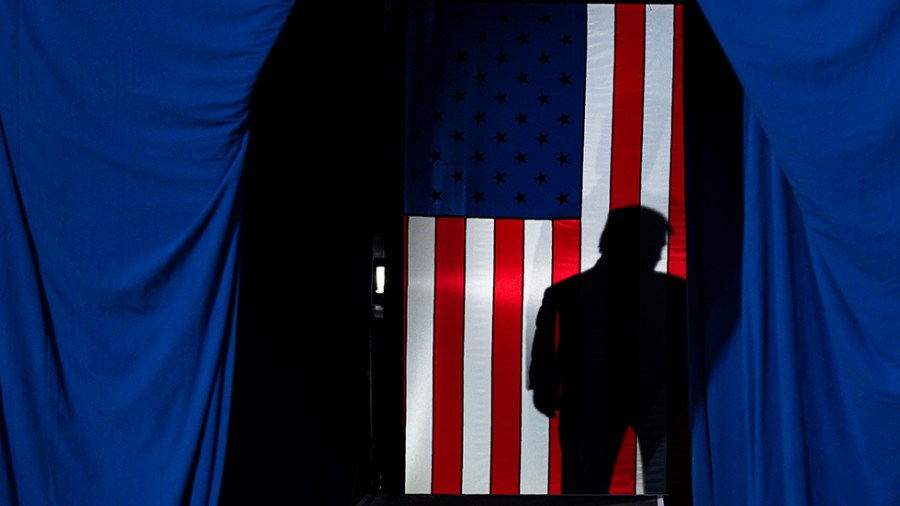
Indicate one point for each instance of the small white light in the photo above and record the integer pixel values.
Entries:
(379, 279)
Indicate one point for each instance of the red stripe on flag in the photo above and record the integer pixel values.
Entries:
(678, 442)
(509, 237)
(566, 262)
(450, 255)
(628, 107)
(677, 251)
(566, 249)
(625, 177)
(623, 481)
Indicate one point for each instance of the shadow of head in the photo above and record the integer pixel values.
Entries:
(634, 237)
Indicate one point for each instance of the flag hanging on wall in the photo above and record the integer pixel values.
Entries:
(525, 124)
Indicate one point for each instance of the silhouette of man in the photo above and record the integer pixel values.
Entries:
(609, 353)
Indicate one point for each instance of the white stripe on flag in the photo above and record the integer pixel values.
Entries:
(477, 353)
(598, 114)
(657, 142)
(419, 354)
(538, 262)
(657, 139)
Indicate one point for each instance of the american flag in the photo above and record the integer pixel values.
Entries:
(525, 124)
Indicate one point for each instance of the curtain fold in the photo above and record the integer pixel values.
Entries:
(124, 134)
(803, 402)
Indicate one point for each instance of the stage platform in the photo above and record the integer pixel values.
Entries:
(511, 500)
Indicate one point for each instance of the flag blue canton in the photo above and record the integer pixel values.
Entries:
(495, 110)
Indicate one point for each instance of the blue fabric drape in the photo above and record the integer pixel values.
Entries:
(801, 405)
(124, 126)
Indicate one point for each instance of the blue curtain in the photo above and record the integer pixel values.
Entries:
(124, 126)
(798, 402)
